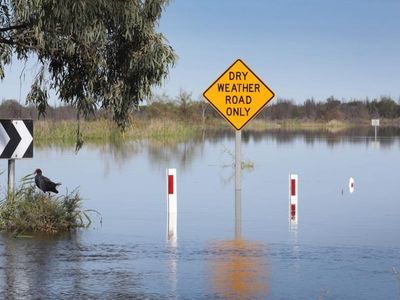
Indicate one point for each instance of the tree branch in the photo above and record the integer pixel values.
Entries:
(6, 41)
(16, 43)
(13, 27)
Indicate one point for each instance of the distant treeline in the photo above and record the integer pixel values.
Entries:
(334, 109)
(187, 109)
(11, 109)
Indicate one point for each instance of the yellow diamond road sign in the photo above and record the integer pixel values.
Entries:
(238, 94)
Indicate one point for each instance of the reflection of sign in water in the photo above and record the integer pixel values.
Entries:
(238, 94)
(239, 270)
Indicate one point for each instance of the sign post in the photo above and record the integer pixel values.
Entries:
(16, 141)
(238, 184)
(11, 177)
(375, 123)
(238, 95)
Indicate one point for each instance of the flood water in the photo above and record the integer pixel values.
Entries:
(345, 246)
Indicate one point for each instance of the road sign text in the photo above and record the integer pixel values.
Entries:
(238, 94)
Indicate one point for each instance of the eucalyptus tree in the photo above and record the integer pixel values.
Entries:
(93, 53)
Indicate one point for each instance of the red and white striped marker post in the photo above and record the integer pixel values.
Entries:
(172, 207)
(293, 195)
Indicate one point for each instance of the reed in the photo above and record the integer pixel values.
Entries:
(32, 211)
(159, 129)
(164, 130)
(105, 131)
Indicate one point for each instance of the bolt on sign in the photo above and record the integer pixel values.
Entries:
(238, 94)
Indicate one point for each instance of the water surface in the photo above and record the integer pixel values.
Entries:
(344, 246)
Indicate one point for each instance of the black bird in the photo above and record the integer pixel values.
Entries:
(44, 183)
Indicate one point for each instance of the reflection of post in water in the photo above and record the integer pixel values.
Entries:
(295, 247)
(239, 270)
(293, 199)
(172, 262)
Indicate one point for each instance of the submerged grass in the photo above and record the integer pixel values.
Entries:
(31, 211)
(64, 133)
(105, 131)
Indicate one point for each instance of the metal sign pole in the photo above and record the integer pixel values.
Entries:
(238, 184)
(375, 132)
(11, 176)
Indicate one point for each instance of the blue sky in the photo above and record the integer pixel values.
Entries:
(299, 48)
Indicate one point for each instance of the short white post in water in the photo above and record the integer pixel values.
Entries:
(172, 206)
(351, 185)
(293, 197)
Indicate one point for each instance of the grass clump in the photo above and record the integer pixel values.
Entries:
(31, 211)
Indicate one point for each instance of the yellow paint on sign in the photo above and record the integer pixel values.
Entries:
(238, 94)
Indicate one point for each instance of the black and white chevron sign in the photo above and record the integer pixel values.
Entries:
(16, 139)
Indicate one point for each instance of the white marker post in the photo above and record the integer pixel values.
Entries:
(351, 185)
(172, 206)
(293, 199)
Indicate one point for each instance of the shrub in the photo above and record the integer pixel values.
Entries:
(32, 211)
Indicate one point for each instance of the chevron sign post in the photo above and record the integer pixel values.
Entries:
(16, 141)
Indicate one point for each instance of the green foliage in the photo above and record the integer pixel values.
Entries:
(94, 53)
(244, 164)
(387, 108)
(249, 165)
(31, 211)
